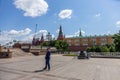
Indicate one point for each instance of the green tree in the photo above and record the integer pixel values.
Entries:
(98, 49)
(88, 49)
(116, 38)
(112, 49)
(44, 44)
(52, 43)
(91, 49)
(61, 45)
(104, 49)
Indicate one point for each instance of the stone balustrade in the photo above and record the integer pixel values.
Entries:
(105, 54)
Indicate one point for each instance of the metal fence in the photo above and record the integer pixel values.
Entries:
(105, 54)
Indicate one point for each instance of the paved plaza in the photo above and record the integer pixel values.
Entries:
(62, 68)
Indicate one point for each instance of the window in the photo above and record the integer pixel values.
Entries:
(77, 44)
(85, 40)
(76, 40)
(93, 41)
(103, 41)
(85, 44)
(68, 41)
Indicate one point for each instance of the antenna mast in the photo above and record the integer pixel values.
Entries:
(35, 30)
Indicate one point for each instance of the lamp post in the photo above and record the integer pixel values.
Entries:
(49, 37)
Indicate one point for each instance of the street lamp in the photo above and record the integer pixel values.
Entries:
(49, 37)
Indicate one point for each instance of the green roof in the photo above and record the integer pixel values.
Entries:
(90, 36)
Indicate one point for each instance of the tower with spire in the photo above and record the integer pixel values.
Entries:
(60, 36)
(41, 40)
(80, 34)
(34, 41)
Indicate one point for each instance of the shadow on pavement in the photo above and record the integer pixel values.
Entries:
(39, 70)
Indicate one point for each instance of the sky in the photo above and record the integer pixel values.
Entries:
(18, 18)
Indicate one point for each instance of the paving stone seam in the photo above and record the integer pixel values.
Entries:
(14, 71)
(19, 77)
(24, 78)
(69, 78)
(17, 61)
(34, 76)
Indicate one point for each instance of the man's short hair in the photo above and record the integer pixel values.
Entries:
(48, 48)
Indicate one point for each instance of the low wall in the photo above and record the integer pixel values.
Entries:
(5, 54)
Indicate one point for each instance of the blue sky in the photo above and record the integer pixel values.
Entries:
(18, 18)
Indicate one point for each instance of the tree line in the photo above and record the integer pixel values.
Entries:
(115, 47)
(60, 45)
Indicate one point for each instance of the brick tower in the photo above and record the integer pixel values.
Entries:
(60, 36)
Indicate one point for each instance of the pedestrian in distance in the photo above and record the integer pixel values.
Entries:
(47, 59)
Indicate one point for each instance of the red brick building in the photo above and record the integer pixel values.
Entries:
(37, 41)
(80, 43)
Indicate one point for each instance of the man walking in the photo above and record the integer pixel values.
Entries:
(47, 59)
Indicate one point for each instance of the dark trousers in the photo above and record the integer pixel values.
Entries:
(47, 64)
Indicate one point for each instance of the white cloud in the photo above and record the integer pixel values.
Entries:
(76, 34)
(67, 13)
(68, 36)
(57, 31)
(28, 38)
(97, 15)
(9, 36)
(38, 35)
(53, 36)
(19, 33)
(40, 32)
(32, 8)
(118, 23)
(4, 39)
(43, 31)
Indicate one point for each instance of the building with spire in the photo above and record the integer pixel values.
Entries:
(60, 35)
(37, 41)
